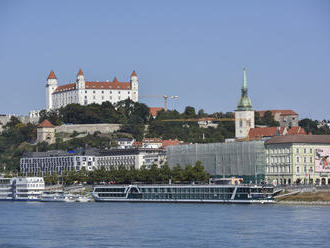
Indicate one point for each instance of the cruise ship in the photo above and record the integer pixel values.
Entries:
(6, 189)
(192, 193)
(21, 188)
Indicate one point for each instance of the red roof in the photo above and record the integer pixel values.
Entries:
(51, 75)
(152, 140)
(137, 143)
(281, 112)
(80, 73)
(296, 131)
(46, 123)
(170, 142)
(115, 85)
(154, 111)
(65, 87)
(260, 132)
(134, 74)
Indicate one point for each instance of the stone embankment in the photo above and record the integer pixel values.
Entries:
(305, 196)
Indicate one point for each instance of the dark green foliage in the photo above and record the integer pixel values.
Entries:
(311, 126)
(14, 141)
(267, 119)
(123, 175)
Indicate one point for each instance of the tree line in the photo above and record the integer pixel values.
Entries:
(123, 175)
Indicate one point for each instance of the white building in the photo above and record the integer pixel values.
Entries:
(244, 115)
(58, 161)
(87, 92)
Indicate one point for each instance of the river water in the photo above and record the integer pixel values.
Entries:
(37, 224)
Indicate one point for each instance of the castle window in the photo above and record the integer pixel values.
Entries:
(86, 91)
(118, 92)
(110, 91)
(129, 92)
(93, 91)
(102, 91)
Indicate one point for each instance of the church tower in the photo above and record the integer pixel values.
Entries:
(134, 86)
(50, 88)
(244, 115)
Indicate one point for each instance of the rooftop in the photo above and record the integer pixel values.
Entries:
(311, 139)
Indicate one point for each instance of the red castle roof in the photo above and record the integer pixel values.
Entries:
(46, 123)
(51, 75)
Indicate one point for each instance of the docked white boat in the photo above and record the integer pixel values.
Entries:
(53, 196)
(83, 199)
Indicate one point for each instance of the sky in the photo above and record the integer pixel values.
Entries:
(192, 49)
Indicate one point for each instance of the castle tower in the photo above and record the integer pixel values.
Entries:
(46, 132)
(50, 88)
(244, 115)
(134, 86)
(80, 83)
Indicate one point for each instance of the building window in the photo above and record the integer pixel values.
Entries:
(305, 159)
(240, 123)
(297, 169)
(305, 169)
(85, 97)
(297, 159)
(86, 91)
(311, 159)
(304, 150)
(311, 150)
(93, 91)
(110, 91)
(311, 169)
(297, 150)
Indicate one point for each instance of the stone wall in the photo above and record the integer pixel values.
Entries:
(88, 128)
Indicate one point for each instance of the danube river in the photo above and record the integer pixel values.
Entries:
(45, 225)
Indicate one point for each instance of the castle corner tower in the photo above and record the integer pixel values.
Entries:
(244, 115)
(50, 88)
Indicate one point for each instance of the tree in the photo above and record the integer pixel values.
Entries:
(189, 112)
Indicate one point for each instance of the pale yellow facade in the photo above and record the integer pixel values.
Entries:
(294, 163)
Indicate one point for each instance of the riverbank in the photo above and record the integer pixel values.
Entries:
(306, 198)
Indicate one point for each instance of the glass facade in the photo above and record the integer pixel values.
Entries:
(245, 159)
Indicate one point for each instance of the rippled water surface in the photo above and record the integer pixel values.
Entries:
(25, 224)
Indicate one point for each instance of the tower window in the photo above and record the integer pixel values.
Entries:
(240, 123)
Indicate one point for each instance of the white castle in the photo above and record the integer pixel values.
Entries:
(87, 92)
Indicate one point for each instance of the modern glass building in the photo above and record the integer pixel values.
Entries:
(243, 159)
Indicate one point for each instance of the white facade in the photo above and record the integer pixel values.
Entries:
(87, 92)
(57, 164)
(50, 162)
(244, 121)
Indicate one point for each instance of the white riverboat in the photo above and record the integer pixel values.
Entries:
(28, 188)
(6, 189)
(206, 193)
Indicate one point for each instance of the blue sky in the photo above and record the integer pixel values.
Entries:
(193, 49)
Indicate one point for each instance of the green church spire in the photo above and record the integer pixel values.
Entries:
(245, 102)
